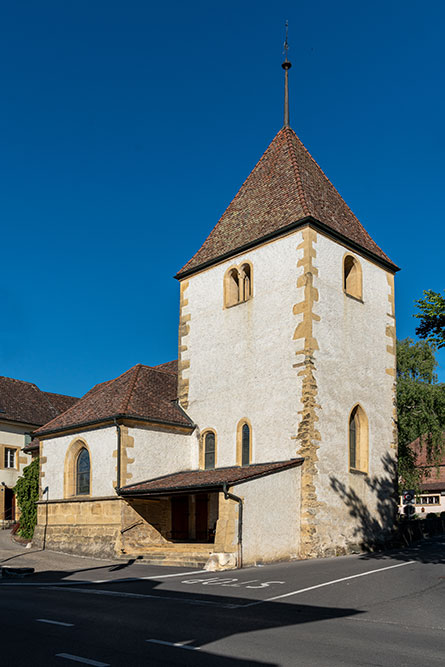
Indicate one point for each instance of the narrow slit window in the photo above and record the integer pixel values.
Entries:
(245, 445)
(247, 282)
(352, 277)
(353, 440)
(358, 440)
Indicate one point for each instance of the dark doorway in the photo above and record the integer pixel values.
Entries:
(180, 517)
(202, 517)
(9, 504)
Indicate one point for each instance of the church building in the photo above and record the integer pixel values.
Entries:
(273, 436)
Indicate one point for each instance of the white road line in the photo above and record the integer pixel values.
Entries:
(47, 620)
(326, 583)
(85, 661)
(102, 581)
(166, 598)
(177, 644)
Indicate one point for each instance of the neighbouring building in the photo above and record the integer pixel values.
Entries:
(274, 434)
(23, 407)
(432, 486)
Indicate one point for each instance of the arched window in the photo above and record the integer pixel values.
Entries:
(77, 469)
(244, 443)
(352, 277)
(231, 288)
(358, 440)
(83, 473)
(246, 274)
(237, 285)
(208, 455)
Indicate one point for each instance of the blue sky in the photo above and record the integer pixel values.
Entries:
(127, 128)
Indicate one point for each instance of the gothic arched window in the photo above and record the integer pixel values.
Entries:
(83, 473)
(358, 440)
(208, 456)
(352, 277)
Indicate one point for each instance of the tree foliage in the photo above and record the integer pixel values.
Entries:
(420, 407)
(432, 317)
(27, 494)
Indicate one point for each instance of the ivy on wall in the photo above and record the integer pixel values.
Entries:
(27, 494)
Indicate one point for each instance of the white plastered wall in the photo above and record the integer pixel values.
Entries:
(241, 358)
(271, 523)
(351, 368)
(101, 444)
(157, 453)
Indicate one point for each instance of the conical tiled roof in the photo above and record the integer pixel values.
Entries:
(142, 392)
(285, 187)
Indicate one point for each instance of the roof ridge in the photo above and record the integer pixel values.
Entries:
(127, 396)
(56, 393)
(31, 384)
(293, 159)
(160, 370)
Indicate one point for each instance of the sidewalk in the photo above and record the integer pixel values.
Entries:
(51, 566)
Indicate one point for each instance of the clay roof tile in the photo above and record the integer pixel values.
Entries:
(286, 187)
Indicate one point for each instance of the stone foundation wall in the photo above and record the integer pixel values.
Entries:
(145, 523)
(81, 527)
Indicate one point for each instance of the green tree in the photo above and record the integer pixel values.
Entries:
(27, 494)
(420, 407)
(432, 317)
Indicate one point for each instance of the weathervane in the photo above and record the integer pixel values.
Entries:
(286, 66)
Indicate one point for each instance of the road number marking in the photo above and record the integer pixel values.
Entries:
(233, 583)
(85, 661)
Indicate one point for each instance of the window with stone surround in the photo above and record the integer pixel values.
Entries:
(352, 277)
(83, 473)
(10, 457)
(244, 443)
(208, 450)
(77, 471)
(237, 285)
(358, 440)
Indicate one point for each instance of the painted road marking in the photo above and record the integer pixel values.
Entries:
(47, 620)
(85, 661)
(177, 644)
(102, 581)
(232, 583)
(327, 583)
(167, 598)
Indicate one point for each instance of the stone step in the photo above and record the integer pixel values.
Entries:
(186, 548)
(169, 558)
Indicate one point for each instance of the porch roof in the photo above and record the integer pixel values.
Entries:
(191, 480)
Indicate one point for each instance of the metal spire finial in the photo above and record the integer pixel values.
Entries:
(286, 66)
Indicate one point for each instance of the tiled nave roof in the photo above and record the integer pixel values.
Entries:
(142, 392)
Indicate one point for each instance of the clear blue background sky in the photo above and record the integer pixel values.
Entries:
(127, 128)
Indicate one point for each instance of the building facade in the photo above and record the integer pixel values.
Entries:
(23, 407)
(274, 435)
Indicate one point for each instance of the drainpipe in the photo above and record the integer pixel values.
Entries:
(118, 432)
(239, 500)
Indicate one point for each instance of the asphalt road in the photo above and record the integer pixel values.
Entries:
(358, 610)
